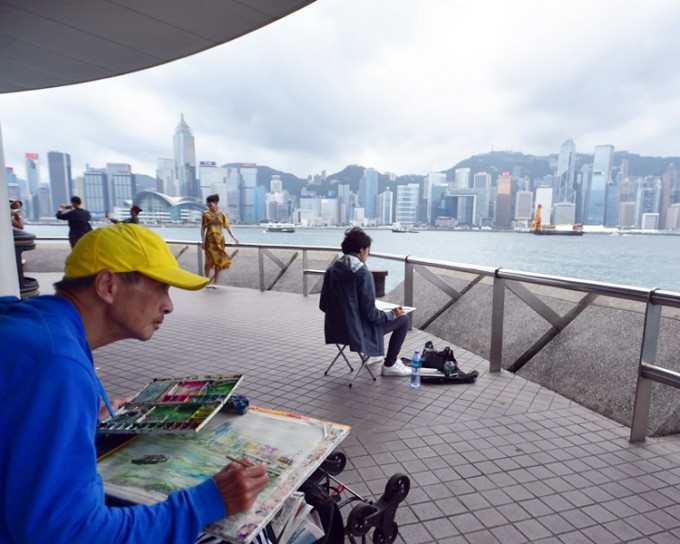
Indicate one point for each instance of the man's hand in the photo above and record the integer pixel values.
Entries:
(240, 483)
(115, 404)
(398, 312)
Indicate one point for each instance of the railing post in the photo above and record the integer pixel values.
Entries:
(497, 311)
(408, 283)
(199, 253)
(305, 290)
(260, 263)
(648, 351)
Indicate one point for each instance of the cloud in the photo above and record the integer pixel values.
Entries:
(404, 86)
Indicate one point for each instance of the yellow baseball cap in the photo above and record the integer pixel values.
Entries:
(127, 247)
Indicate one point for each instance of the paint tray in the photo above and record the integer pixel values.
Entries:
(173, 405)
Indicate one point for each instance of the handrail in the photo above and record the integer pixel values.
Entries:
(654, 299)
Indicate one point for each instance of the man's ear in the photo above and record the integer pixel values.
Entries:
(106, 285)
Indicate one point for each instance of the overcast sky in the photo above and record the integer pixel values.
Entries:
(406, 86)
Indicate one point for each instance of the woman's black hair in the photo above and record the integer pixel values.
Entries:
(213, 198)
(355, 240)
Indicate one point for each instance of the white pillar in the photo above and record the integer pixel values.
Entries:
(9, 280)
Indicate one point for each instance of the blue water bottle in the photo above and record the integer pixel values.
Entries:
(416, 363)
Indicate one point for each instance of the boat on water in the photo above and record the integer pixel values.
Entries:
(537, 227)
(280, 227)
(404, 228)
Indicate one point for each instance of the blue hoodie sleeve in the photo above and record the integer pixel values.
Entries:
(52, 490)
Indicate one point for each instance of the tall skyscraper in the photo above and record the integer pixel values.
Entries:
(185, 160)
(61, 184)
(248, 173)
(407, 204)
(462, 178)
(121, 184)
(503, 215)
(566, 171)
(96, 191)
(368, 193)
(482, 182)
(33, 178)
(344, 203)
(432, 179)
(166, 182)
(596, 194)
(524, 201)
(385, 206)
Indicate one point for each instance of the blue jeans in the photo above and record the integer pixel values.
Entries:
(398, 328)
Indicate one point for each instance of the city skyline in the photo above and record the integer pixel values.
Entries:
(409, 90)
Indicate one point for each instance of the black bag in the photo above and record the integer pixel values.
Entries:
(431, 358)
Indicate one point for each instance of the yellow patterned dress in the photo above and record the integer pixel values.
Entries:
(215, 255)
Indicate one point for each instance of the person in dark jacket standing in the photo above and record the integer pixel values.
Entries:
(77, 217)
(348, 300)
(134, 216)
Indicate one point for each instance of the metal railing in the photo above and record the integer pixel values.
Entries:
(503, 279)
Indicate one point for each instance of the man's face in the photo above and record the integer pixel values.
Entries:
(139, 308)
(363, 254)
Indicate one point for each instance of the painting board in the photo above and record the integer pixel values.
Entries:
(293, 446)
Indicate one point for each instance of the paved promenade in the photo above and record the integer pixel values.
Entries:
(502, 460)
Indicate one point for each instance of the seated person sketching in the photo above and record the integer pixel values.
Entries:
(51, 396)
(348, 300)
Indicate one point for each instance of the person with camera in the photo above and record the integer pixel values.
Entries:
(78, 219)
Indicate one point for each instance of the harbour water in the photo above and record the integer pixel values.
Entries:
(639, 260)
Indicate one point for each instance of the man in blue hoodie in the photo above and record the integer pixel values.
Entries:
(116, 286)
(348, 300)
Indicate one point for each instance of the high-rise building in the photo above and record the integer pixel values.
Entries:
(406, 208)
(166, 182)
(432, 179)
(544, 197)
(368, 193)
(385, 207)
(596, 193)
(185, 160)
(33, 179)
(503, 216)
(248, 173)
(566, 171)
(344, 203)
(462, 178)
(482, 182)
(524, 209)
(648, 199)
(121, 184)
(96, 191)
(61, 184)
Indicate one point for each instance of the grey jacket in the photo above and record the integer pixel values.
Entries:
(348, 300)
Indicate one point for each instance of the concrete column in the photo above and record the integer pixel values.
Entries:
(9, 280)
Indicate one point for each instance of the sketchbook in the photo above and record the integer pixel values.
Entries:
(149, 468)
(383, 305)
(173, 405)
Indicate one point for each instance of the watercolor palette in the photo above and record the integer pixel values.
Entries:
(173, 405)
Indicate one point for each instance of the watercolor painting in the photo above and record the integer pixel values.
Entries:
(173, 405)
(293, 446)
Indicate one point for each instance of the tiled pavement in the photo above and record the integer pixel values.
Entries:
(503, 460)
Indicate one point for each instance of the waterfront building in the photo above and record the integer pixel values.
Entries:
(121, 184)
(461, 178)
(673, 217)
(564, 213)
(524, 205)
(344, 203)
(648, 198)
(45, 202)
(368, 193)
(61, 184)
(596, 193)
(185, 160)
(437, 204)
(566, 172)
(385, 207)
(649, 221)
(33, 178)
(95, 191)
(503, 210)
(544, 197)
(627, 214)
(432, 179)
(211, 179)
(160, 208)
(248, 175)
(482, 182)
(406, 208)
(462, 205)
(166, 182)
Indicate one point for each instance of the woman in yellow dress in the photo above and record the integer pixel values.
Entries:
(214, 220)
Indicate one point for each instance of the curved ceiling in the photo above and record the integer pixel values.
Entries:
(49, 43)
